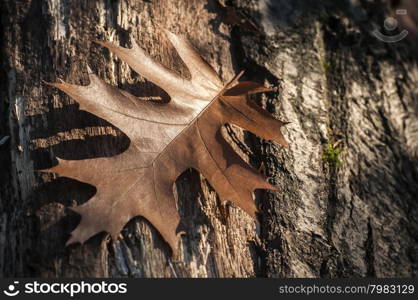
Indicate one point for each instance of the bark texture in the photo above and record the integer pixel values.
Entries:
(338, 85)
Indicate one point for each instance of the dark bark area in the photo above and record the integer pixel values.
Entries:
(337, 85)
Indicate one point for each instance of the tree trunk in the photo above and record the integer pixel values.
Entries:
(336, 215)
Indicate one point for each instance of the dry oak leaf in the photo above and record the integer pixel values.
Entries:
(166, 139)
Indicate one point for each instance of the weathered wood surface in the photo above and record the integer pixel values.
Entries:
(336, 83)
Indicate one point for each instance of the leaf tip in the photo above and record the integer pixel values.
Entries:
(104, 44)
(99, 42)
(274, 188)
(48, 83)
(89, 71)
(72, 240)
(167, 32)
(74, 209)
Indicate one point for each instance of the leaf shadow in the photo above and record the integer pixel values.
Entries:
(220, 14)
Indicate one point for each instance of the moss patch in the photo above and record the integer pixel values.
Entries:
(332, 154)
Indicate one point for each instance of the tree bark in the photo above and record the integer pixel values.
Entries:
(338, 85)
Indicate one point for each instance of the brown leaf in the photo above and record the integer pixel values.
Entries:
(234, 17)
(166, 139)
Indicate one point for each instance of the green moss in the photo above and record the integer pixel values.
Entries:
(331, 155)
(326, 66)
